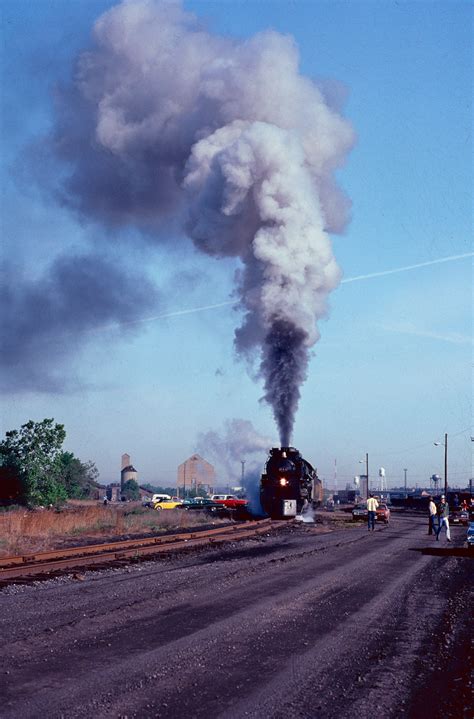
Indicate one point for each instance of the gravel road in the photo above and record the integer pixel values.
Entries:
(294, 624)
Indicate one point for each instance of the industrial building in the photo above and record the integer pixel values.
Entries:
(114, 490)
(128, 471)
(195, 474)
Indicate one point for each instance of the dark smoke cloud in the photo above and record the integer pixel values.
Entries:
(165, 119)
(51, 318)
(284, 363)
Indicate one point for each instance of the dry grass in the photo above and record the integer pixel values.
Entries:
(23, 531)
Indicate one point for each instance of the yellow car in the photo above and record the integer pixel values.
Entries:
(164, 503)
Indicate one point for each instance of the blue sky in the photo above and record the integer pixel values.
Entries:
(392, 370)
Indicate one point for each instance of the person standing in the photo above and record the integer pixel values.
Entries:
(443, 516)
(432, 515)
(372, 505)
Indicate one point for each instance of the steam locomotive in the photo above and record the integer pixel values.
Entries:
(288, 484)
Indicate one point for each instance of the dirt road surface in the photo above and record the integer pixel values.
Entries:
(295, 624)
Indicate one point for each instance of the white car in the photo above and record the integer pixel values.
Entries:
(159, 497)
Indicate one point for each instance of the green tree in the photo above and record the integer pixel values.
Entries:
(131, 490)
(158, 489)
(33, 452)
(78, 478)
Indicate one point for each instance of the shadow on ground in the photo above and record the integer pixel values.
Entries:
(444, 551)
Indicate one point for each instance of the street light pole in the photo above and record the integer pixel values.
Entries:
(405, 470)
(445, 444)
(446, 465)
(361, 461)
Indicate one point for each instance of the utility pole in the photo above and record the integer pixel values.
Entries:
(367, 471)
(446, 465)
(405, 470)
(242, 462)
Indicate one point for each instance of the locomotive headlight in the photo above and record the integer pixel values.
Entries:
(283, 481)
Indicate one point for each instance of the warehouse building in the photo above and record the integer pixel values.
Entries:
(195, 474)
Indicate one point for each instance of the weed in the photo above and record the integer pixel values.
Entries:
(23, 531)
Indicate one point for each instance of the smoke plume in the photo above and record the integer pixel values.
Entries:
(238, 441)
(167, 120)
(47, 317)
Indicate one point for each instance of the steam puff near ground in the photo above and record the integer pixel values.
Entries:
(238, 441)
(165, 119)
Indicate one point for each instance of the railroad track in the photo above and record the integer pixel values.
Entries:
(41, 563)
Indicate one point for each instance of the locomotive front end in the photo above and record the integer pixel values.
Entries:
(285, 486)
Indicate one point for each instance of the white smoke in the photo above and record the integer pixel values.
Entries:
(167, 118)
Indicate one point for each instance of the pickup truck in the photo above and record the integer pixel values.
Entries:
(229, 500)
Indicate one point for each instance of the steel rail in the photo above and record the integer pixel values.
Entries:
(120, 544)
(73, 557)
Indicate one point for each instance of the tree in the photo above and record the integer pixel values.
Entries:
(131, 490)
(33, 453)
(78, 478)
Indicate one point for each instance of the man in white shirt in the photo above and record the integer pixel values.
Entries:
(372, 505)
(432, 516)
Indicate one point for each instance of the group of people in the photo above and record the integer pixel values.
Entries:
(439, 517)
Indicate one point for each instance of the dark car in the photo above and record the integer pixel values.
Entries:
(459, 516)
(207, 506)
(360, 512)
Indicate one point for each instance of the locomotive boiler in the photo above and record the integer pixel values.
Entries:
(289, 484)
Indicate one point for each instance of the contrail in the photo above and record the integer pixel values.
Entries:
(191, 310)
(358, 278)
(408, 267)
(166, 315)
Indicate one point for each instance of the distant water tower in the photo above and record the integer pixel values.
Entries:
(383, 480)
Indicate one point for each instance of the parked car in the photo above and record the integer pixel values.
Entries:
(459, 516)
(360, 512)
(206, 506)
(470, 536)
(164, 503)
(229, 500)
(383, 513)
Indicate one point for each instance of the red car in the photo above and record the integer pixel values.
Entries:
(383, 513)
(229, 500)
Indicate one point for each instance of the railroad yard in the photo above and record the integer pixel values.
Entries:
(296, 621)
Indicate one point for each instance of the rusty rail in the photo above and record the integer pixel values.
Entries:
(73, 557)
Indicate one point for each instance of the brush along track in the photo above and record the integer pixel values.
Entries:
(72, 557)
